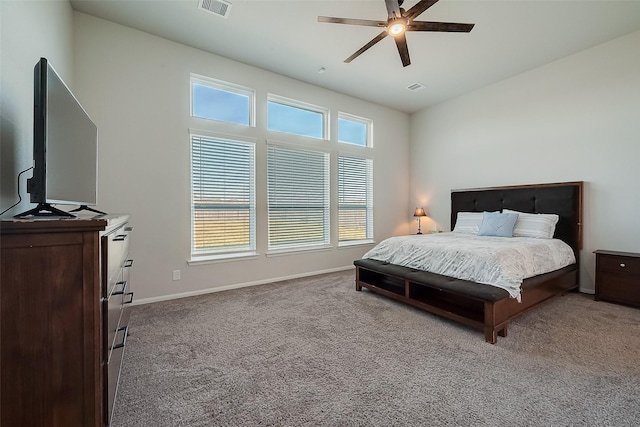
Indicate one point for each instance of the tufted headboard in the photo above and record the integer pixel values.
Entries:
(562, 198)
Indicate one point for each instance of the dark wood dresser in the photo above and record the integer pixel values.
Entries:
(618, 277)
(63, 291)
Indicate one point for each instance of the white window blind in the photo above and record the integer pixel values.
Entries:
(223, 196)
(298, 197)
(355, 199)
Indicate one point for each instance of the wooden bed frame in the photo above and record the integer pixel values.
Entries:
(484, 307)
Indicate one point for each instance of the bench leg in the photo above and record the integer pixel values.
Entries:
(503, 331)
(490, 335)
(358, 286)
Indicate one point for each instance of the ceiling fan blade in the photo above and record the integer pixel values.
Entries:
(418, 8)
(394, 12)
(393, 8)
(373, 41)
(349, 21)
(403, 50)
(440, 26)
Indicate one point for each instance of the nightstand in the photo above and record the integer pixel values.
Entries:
(618, 277)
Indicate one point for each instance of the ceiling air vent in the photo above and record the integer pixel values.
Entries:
(217, 7)
(416, 86)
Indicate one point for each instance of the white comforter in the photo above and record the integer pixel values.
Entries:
(498, 261)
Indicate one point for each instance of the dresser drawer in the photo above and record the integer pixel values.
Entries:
(619, 265)
(117, 252)
(127, 298)
(115, 302)
(113, 370)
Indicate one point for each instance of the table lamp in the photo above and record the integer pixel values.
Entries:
(419, 213)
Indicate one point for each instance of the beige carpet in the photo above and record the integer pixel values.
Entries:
(314, 351)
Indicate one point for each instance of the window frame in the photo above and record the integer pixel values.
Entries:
(228, 253)
(356, 119)
(323, 111)
(224, 86)
(297, 248)
(368, 207)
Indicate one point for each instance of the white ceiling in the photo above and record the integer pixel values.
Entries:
(510, 37)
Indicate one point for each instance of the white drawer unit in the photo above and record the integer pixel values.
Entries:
(117, 296)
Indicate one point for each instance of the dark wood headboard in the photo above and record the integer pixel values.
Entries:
(562, 198)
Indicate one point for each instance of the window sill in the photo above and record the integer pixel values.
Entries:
(211, 259)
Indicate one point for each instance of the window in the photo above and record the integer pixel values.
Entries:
(354, 130)
(223, 213)
(298, 197)
(289, 116)
(216, 100)
(355, 199)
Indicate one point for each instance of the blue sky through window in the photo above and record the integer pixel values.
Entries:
(285, 118)
(352, 132)
(221, 105)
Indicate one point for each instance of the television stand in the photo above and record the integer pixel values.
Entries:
(44, 209)
(87, 208)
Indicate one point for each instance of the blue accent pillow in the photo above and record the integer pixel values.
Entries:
(497, 224)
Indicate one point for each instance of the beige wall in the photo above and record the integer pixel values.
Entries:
(136, 88)
(28, 30)
(574, 119)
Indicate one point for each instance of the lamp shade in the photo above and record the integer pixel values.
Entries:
(419, 212)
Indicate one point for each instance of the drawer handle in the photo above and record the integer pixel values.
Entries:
(121, 291)
(128, 263)
(124, 337)
(129, 228)
(119, 237)
(130, 295)
(622, 265)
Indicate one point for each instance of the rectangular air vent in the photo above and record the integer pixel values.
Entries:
(217, 7)
(416, 86)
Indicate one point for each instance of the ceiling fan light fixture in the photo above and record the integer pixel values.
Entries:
(398, 22)
(397, 27)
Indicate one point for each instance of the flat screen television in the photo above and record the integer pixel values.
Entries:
(65, 148)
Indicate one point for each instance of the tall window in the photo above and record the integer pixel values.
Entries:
(298, 197)
(217, 100)
(355, 199)
(223, 214)
(354, 130)
(299, 118)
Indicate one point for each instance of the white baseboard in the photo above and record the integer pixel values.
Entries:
(237, 286)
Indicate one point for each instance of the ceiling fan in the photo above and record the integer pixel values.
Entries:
(399, 21)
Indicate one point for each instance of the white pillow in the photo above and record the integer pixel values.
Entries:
(540, 226)
(468, 222)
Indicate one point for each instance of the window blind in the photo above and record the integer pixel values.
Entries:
(355, 199)
(223, 196)
(298, 197)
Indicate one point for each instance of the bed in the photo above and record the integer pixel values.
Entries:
(481, 306)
